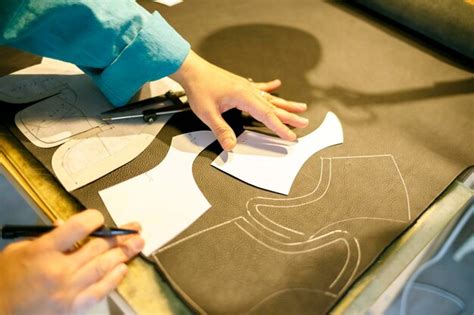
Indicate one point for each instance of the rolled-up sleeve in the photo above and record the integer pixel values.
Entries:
(118, 43)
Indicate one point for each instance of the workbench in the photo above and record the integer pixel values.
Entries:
(145, 289)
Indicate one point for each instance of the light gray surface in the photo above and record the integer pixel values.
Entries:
(14, 209)
(447, 286)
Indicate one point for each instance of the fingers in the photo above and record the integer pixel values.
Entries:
(264, 112)
(98, 267)
(283, 110)
(268, 86)
(223, 132)
(75, 229)
(290, 118)
(294, 107)
(100, 245)
(99, 290)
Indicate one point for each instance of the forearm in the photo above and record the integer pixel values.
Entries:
(121, 46)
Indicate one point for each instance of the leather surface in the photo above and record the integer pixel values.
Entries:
(407, 116)
(450, 23)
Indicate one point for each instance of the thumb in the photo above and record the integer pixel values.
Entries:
(223, 132)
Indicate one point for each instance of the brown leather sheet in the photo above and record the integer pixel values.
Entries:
(407, 111)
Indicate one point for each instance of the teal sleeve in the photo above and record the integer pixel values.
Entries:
(118, 43)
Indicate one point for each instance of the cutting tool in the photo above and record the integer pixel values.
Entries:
(150, 109)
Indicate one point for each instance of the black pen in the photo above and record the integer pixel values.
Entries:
(15, 231)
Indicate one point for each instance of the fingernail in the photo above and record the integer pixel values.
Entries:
(291, 135)
(137, 243)
(302, 105)
(304, 120)
(228, 144)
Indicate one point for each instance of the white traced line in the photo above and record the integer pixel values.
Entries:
(355, 268)
(351, 219)
(295, 198)
(285, 251)
(195, 234)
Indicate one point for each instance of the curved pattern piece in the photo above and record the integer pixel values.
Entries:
(268, 163)
(80, 161)
(54, 120)
(36, 82)
(72, 112)
(166, 199)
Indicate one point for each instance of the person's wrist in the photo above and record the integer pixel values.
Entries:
(186, 73)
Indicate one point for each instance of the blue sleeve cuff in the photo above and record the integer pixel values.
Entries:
(157, 51)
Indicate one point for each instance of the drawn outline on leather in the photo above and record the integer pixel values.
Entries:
(346, 239)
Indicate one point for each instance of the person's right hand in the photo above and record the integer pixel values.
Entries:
(212, 90)
(48, 275)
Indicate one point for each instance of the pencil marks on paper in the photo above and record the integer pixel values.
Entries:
(54, 120)
(66, 115)
(82, 160)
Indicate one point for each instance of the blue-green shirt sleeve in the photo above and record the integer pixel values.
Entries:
(118, 43)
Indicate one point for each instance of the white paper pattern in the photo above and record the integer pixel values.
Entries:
(56, 119)
(80, 161)
(69, 116)
(168, 3)
(269, 163)
(166, 199)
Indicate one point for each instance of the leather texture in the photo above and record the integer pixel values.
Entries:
(407, 116)
(450, 23)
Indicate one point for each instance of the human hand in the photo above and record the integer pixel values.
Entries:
(48, 275)
(212, 91)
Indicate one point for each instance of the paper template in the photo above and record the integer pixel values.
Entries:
(269, 163)
(80, 161)
(166, 199)
(67, 115)
(36, 82)
(54, 120)
(29, 90)
(168, 3)
(75, 108)
(87, 157)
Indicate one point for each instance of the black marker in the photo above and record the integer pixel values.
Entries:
(15, 231)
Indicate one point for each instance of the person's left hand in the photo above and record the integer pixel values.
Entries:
(212, 91)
